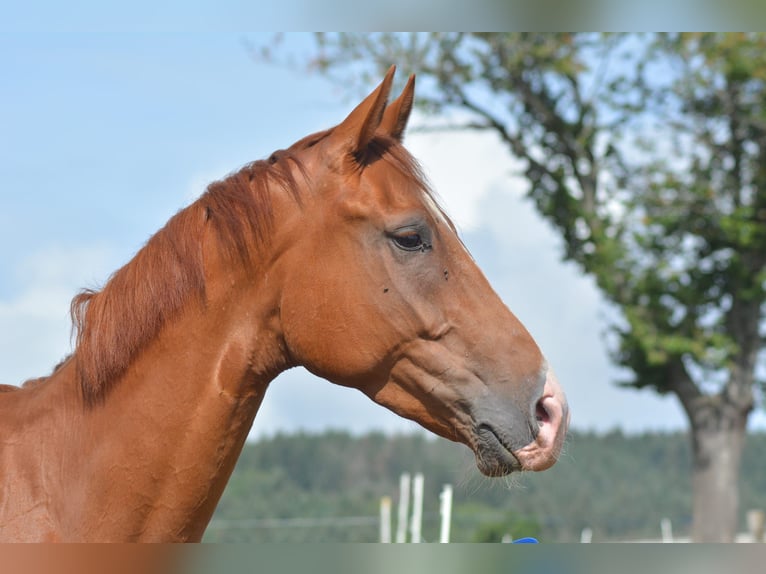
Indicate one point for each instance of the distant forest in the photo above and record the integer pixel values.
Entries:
(327, 488)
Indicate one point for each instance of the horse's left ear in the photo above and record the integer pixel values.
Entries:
(355, 132)
(398, 112)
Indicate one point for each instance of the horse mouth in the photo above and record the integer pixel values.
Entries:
(522, 441)
(493, 456)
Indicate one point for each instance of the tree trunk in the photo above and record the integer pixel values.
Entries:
(718, 437)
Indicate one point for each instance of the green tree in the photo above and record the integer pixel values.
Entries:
(648, 154)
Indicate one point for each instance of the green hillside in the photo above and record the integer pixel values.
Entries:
(327, 487)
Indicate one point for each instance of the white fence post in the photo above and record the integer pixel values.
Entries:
(417, 507)
(755, 524)
(667, 530)
(445, 510)
(385, 519)
(404, 504)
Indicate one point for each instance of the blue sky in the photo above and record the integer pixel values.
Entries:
(104, 136)
(108, 129)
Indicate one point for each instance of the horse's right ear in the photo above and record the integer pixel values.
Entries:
(354, 133)
(398, 112)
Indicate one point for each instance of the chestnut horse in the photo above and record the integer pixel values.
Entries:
(331, 254)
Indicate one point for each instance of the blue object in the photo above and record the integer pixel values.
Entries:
(527, 540)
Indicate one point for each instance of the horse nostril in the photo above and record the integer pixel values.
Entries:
(541, 413)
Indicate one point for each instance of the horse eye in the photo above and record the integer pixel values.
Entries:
(410, 241)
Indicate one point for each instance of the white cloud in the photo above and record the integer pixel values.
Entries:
(35, 332)
(462, 167)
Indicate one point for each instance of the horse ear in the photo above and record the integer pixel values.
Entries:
(398, 112)
(356, 131)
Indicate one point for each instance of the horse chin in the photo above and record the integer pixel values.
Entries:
(493, 458)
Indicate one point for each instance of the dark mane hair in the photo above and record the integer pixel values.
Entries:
(114, 324)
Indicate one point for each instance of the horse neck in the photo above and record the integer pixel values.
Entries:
(168, 433)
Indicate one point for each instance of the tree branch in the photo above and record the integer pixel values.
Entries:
(543, 109)
(514, 141)
(681, 383)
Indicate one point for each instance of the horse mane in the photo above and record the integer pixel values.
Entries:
(114, 324)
